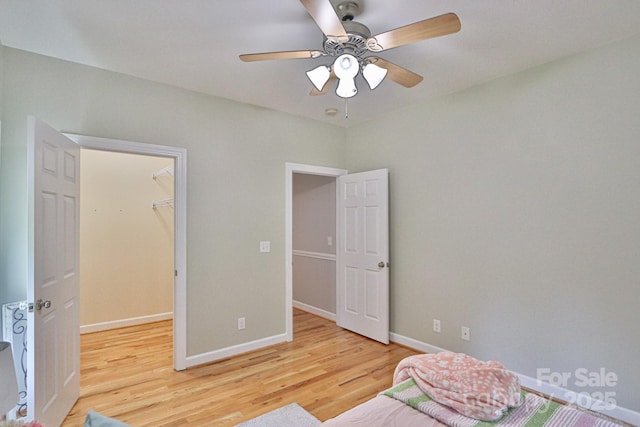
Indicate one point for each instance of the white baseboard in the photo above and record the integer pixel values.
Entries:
(212, 356)
(123, 323)
(314, 310)
(617, 412)
(414, 344)
(235, 350)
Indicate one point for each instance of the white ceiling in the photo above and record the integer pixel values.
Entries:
(195, 44)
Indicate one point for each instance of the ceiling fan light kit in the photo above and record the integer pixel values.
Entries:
(374, 75)
(351, 42)
(346, 68)
(319, 76)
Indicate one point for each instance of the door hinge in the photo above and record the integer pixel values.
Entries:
(175, 273)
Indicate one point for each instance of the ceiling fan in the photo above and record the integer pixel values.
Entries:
(351, 42)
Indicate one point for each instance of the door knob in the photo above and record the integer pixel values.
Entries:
(381, 264)
(40, 304)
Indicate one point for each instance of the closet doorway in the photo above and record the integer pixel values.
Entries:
(179, 157)
(126, 239)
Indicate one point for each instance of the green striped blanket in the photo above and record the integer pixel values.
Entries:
(535, 411)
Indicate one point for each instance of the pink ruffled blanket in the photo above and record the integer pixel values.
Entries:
(476, 389)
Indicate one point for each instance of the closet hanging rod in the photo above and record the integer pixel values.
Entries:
(167, 170)
(162, 203)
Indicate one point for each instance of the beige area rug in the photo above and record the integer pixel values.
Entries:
(292, 415)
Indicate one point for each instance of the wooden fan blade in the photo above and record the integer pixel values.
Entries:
(327, 85)
(293, 54)
(326, 18)
(422, 30)
(398, 74)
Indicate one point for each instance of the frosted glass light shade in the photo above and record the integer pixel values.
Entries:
(9, 396)
(374, 75)
(319, 76)
(346, 68)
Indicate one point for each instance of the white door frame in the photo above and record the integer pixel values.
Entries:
(290, 169)
(179, 156)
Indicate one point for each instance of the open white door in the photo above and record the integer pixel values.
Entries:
(363, 254)
(53, 348)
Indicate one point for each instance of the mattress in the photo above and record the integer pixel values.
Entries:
(383, 411)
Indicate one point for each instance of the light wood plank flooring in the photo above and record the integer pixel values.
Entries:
(127, 374)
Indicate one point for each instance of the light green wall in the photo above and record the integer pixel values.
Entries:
(1, 80)
(515, 211)
(236, 179)
(4, 286)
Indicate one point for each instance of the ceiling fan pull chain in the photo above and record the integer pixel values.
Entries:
(346, 108)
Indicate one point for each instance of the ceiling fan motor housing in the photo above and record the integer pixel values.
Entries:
(347, 9)
(356, 45)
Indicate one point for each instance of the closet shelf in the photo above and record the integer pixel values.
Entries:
(162, 203)
(168, 170)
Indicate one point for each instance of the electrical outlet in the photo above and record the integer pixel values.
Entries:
(436, 325)
(265, 246)
(241, 323)
(465, 333)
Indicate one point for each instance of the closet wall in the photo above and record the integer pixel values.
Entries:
(126, 245)
(314, 227)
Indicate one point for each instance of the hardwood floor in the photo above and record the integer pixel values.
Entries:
(128, 374)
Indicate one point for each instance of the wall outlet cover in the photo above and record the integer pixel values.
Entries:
(465, 333)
